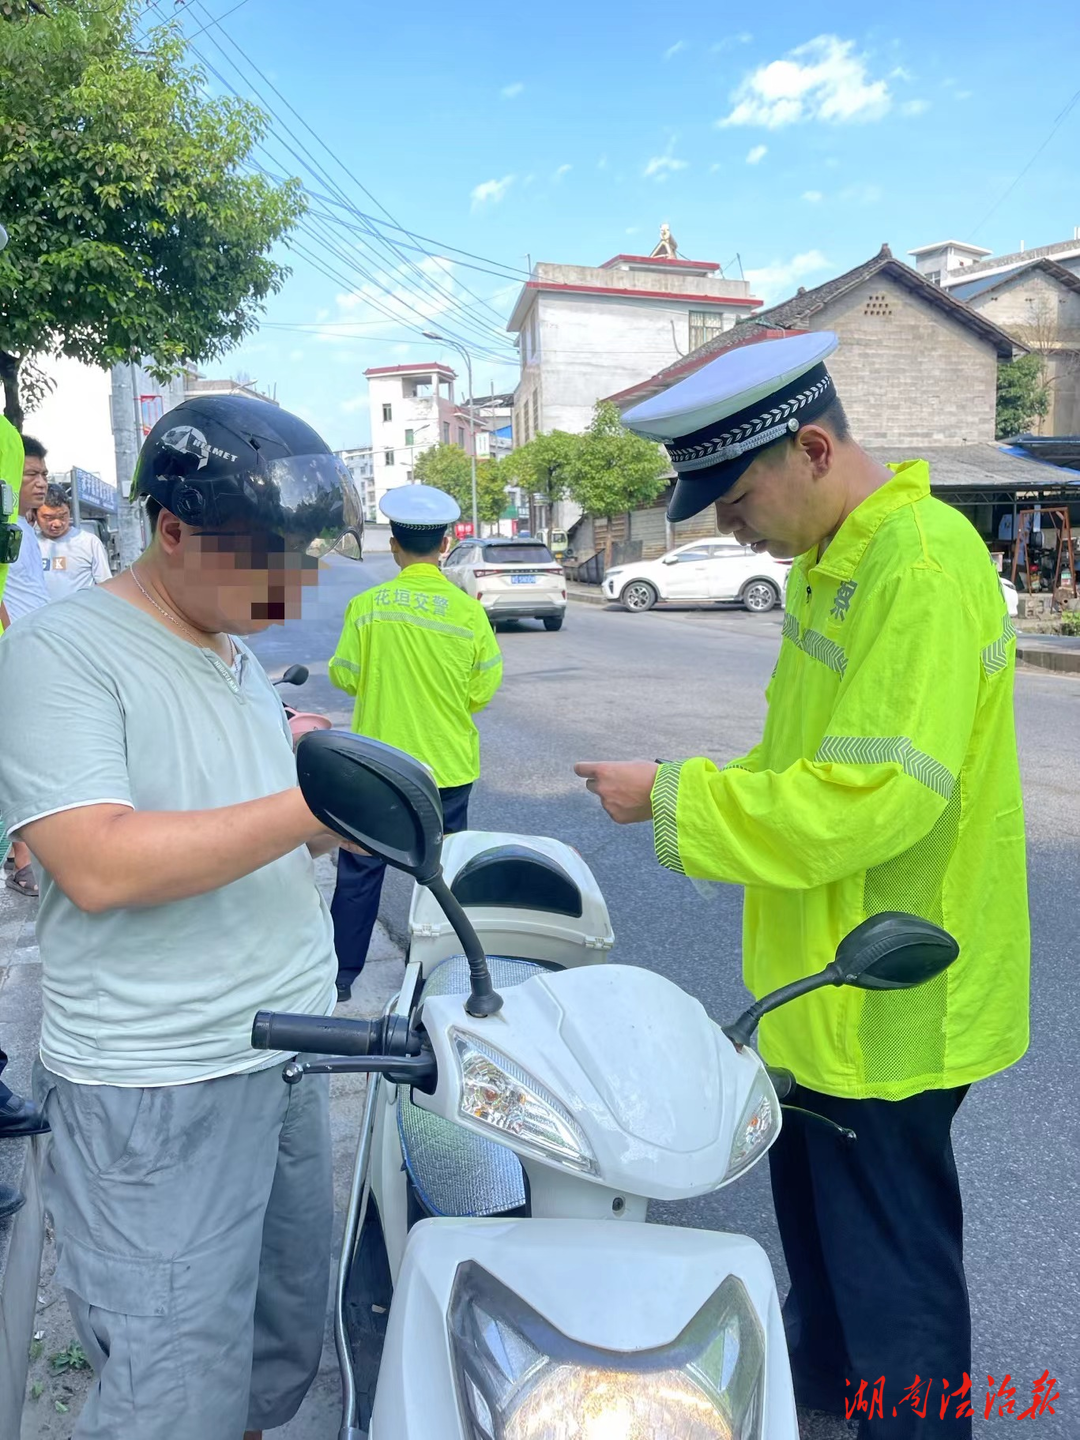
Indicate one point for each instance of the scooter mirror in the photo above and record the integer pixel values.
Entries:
(892, 951)
(375, 796)
(295, 675)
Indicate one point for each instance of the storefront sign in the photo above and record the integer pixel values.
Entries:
(92, 490)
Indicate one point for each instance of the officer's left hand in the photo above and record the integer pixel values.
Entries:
(624, 787)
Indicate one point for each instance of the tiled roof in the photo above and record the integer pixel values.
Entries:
(798, 311)
(998, 262)
(971, 288)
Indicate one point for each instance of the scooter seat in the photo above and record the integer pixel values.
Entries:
(454, 1171)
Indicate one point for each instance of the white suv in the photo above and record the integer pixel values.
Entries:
(701, 573)
(512, 579)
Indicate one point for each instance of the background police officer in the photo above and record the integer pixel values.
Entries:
(886, 779)
(421, 659)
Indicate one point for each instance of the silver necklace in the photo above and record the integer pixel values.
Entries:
(175, 619)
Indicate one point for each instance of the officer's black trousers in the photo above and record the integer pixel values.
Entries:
(355, 906)
(873, 1239)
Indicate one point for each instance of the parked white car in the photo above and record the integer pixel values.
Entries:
(512, 579)
(702, 572)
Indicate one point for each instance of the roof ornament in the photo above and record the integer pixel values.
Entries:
(667, 249)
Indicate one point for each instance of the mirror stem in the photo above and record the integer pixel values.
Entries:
(741, 1031)
(483, 998)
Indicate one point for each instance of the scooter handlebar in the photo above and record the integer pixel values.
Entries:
(315, 1034)
(783, 1081)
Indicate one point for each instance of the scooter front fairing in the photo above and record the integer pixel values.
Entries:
(544, 1329)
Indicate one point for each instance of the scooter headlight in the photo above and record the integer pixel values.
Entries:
(520, 1378)
(758, 1127)
(498, 1095)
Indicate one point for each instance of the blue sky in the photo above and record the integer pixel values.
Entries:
(570, 132)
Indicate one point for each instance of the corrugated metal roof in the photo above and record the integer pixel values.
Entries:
(980, 466)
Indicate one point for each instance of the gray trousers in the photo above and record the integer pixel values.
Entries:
(193, 1226)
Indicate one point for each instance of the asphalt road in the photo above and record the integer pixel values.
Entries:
(671, 683)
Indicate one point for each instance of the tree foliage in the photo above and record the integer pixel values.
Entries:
(448, 468)
(543, 466)
(614, 470)
(133, 228)
(1023, 395)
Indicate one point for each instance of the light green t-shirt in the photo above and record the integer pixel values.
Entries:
(130, 714)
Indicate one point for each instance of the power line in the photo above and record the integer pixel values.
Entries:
(1053, 131)
(421, 275)
(306, 159)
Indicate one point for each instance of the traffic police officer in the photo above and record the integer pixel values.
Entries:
(886, 779)
(421, 659)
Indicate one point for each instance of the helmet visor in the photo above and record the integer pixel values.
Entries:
(306, 498)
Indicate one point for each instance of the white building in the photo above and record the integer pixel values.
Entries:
(951, 262)
(412, 408)
(589, 331)
(362, 464)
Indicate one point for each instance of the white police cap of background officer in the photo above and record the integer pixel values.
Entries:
(716, 422)
(419, 507)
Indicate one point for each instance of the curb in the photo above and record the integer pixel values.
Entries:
(588, 598)
(1062, 662)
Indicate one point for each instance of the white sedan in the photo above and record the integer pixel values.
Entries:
(703, 572)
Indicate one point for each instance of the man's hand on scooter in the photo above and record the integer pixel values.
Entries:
(624, 787)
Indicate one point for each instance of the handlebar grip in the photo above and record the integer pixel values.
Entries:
(783, 1081)
(314, 1034)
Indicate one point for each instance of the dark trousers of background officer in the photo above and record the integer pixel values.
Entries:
(355, 906)
(873, 1239)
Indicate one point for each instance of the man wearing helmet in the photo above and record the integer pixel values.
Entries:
(190, 1187)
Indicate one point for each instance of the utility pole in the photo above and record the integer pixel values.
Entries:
(430, 335)
(127, 441)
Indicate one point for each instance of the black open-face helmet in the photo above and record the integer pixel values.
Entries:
(232, 464)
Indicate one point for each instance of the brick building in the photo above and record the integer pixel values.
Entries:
(1038, 302)
(916, 370)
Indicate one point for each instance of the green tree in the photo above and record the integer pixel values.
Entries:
(133, 227)
(613, 470)
(448, 468)
(543, 466)
(1023, 395)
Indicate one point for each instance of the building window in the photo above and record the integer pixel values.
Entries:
(536, 412)
(461, 436)
(877, 305)
(934, 276)
(704, 326)
(387, 413)
(409, 437)
(388, 457)
(408, 477)
(446, 432)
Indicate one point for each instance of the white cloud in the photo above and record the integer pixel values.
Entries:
(730, 41)
(757, 154)
(661, 166)
(560, 172)
(775, 280)
(632, 229)
(822, 80)
(964, 94)
(901, 74)
(673, 50)
(914, 107)
(529, 179)
(601, 164)
(813, 197)
(511, 92)
(295, 355)
(862, 194)
(490, 192)
(714, 167)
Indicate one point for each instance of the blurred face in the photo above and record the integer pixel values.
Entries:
(232, 581)
(54, 521)
(787, 501)
(35, 483)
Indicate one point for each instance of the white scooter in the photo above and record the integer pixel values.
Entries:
(515, 1139)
